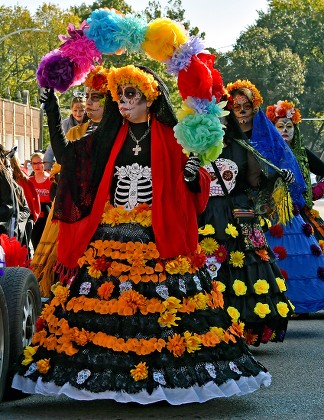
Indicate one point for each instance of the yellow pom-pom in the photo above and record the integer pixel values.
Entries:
(163, 37)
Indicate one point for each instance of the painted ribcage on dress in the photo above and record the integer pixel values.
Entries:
(134, 186)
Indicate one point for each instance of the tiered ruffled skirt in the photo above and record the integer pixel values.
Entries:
(246, 270)
(134, 327)
(301, 257)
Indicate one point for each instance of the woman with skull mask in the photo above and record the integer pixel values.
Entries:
(136, 315)
(304, 260)
(239, 257)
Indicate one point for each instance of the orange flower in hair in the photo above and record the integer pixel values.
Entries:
(134, 76)
(97, 80)
(246, 84)
(283, 109)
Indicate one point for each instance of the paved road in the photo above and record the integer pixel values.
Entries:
(296, 392)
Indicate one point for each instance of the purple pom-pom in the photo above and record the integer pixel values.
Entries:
(55, 71)
(307, 229)
(316, 250)
(296, 211)
(320, 272)
(182, 57)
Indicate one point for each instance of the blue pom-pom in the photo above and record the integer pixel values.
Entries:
(131, 33)
(103, 29)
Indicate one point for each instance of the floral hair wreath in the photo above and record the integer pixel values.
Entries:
(107, 31)
(97, 80)
(283, 109)
(145, 82)
(239, 84)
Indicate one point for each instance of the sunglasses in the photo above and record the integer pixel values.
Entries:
(37, 163)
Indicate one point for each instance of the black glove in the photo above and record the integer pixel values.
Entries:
(49, 99)
(288, 176)
(191, 168)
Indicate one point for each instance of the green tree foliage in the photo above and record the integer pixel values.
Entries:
(20, 53)
(282, 54)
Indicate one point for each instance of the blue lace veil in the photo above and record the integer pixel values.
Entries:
(267, 141)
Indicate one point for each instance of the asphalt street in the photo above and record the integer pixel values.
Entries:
(296, 392)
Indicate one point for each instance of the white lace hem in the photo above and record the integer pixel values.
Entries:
(178, 396)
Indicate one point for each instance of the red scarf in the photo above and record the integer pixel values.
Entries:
(174, 207)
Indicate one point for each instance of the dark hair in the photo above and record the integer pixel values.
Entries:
(232, 129)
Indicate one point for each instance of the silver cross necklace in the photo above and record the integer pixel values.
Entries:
(138, 148)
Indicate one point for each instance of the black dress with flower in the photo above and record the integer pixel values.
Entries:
(133, 326)
(239, 256)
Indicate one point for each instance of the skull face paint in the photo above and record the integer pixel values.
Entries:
(94, 108)
(243, 111)
(132, 104)
(286, 129)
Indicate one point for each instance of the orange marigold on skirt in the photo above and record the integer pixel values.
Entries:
(176, 345)
(105, 290)
(140, 372)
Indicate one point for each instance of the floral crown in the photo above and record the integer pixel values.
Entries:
(283, 109)
(134, 76)
(239, 84)
(97, 80)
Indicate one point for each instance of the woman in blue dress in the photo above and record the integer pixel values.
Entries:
(296, 243)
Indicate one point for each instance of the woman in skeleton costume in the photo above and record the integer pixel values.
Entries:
(238, 255)
(303, 260)
(136, 316)
(45, 255)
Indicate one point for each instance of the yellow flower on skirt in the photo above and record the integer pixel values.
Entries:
(140, 372)
(233, 313)
(237, 258)
(262, 309)
(231, 230)
(261, 287)
(281, 284)
(239, 287)
(283, 309)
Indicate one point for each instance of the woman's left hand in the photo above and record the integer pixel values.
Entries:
(191, 168)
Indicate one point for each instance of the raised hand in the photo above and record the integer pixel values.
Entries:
(48, 99)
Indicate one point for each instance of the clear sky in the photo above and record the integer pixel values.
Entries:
(221, 20)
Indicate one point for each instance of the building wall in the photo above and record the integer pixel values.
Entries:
(20, 126)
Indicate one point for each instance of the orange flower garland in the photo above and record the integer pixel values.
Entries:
(239, 84)
(113, 216)
(135, 257)
(61, 336)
